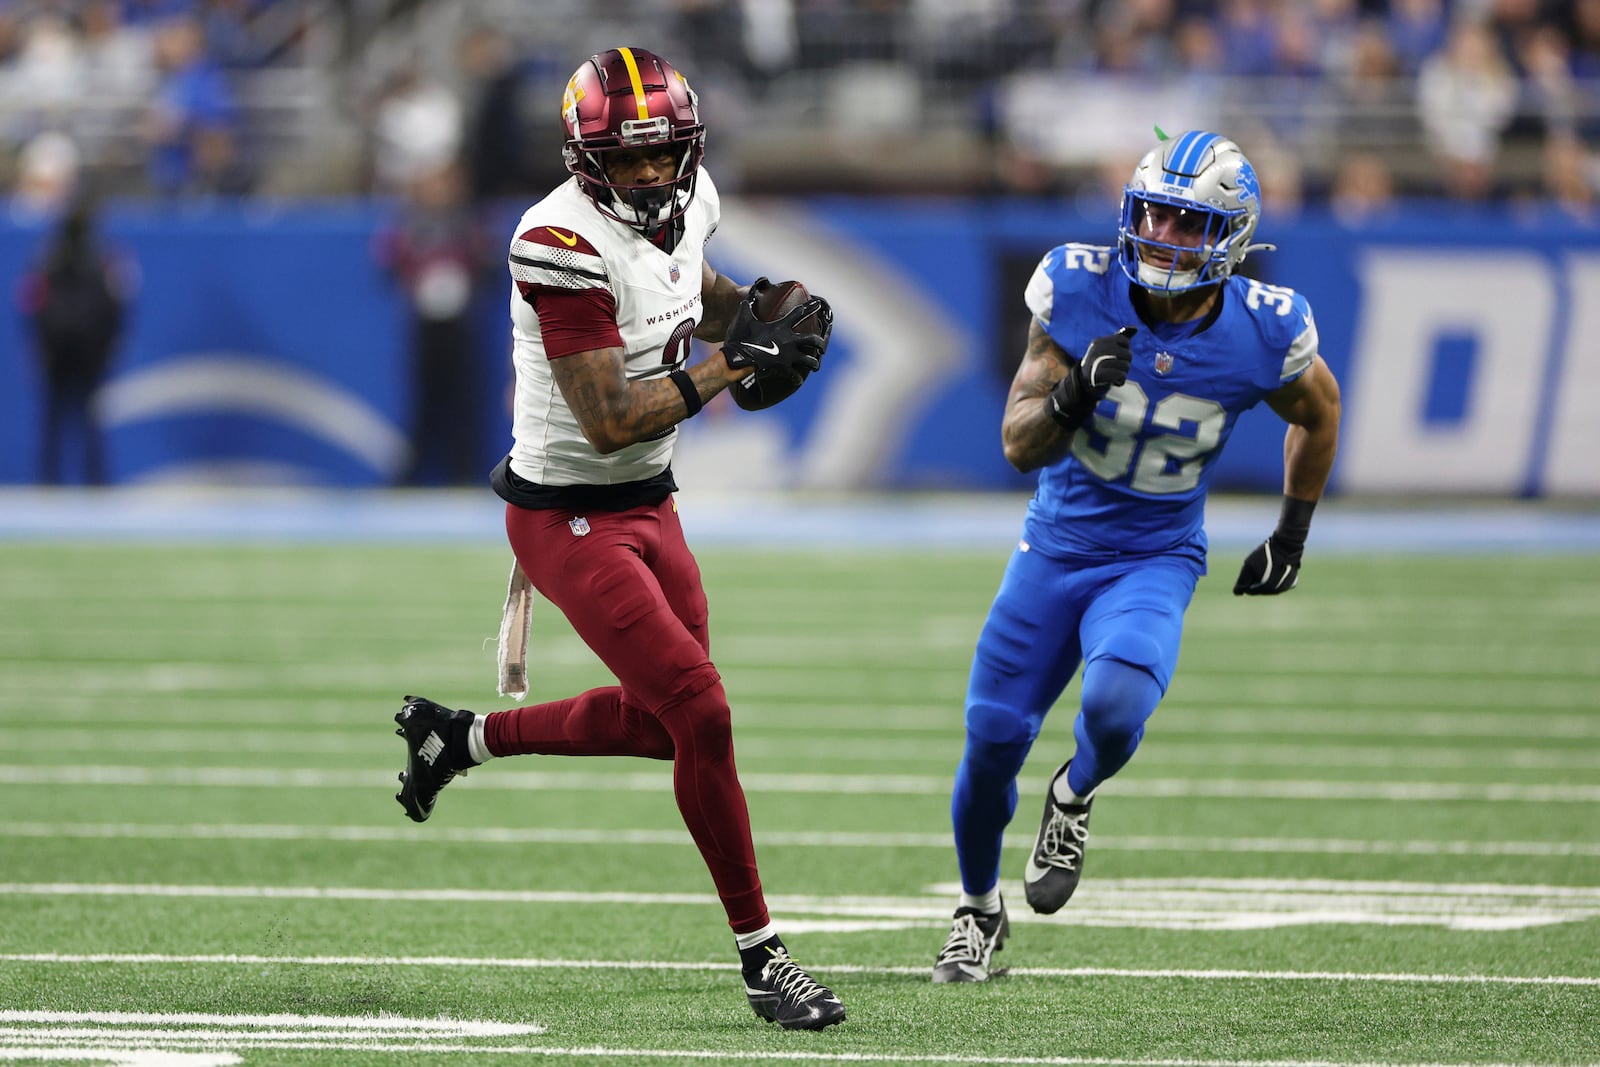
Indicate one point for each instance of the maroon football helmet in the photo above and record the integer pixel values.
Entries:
(630, 98)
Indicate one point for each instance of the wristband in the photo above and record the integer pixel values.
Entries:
(1062, 418)
(1294, 521)
(691, 395)
(1081, 408)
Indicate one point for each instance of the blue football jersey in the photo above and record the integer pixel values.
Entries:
(1135, 480)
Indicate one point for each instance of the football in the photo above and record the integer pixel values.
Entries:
(773, 303)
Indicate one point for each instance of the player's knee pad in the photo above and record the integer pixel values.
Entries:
(999, 724)
(1133, 648)
(1122, 685)
(699, 706)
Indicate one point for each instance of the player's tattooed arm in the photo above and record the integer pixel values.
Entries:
(1030, 436)
(719, 299)
(719, 303)
(614, 412)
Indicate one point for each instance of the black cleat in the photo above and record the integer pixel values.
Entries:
(975, 937)
(1057, 858)
(429, 729)
(784, 994)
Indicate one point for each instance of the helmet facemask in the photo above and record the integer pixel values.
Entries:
(641, 206)
(1204, 186)
(1191, 265)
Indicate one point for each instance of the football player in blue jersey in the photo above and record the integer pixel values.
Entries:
(1140, 358)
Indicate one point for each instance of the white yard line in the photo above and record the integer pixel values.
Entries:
(146, 1039)
(480, 962)
(912, 785)
(86, 745)
(1181, 716)
(157, 1039)
(111, 1054)
(480, 835)
(760, 692)
(1588, 895)
(99, 1056)
(1143, 903)
(278, 1021)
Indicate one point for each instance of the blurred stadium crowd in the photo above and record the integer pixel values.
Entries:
(1348, 101)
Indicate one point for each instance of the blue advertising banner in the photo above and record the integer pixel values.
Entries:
(268, 345)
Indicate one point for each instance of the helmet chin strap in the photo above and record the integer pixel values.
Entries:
(663, 232)
(1160, 278)
(623, 205)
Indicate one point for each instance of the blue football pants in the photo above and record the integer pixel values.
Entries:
(1123, 621)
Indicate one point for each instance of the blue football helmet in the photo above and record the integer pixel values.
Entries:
(1207, 180)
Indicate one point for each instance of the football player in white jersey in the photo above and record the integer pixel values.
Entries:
(610, 284)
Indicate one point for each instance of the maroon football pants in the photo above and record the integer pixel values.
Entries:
(629, 586)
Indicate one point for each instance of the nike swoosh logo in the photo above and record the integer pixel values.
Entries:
(770, 350)
(571, 241)
(1034, 872)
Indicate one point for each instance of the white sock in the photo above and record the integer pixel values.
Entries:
(988, 903)
(1063, 792)
(754, 938)
(477, 747)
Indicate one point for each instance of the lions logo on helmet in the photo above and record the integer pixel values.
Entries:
(1207, 180)
(629, 98)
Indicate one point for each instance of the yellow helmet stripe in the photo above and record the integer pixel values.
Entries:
(638, 83)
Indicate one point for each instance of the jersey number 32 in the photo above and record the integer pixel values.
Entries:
(1160, 462)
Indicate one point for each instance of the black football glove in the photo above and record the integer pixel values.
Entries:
(1105, 363)
(825, 317)
(776, 346)
(1274, 566)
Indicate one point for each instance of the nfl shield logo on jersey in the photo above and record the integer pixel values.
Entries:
(1163, 362)
(673, 273)
(579, 525)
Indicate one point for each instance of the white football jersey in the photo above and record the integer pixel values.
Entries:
(563, 241)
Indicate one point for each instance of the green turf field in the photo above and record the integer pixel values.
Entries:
(1364, 828)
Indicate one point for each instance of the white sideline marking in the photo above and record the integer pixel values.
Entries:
(906, 784)
(513, 963)
(110, 1052)
(145, 1058)
(867, 1057)
(123, 1057)
(150, 1039)
(75, 1035)
(390, 1023)
(1143, 903)
(480, 835)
